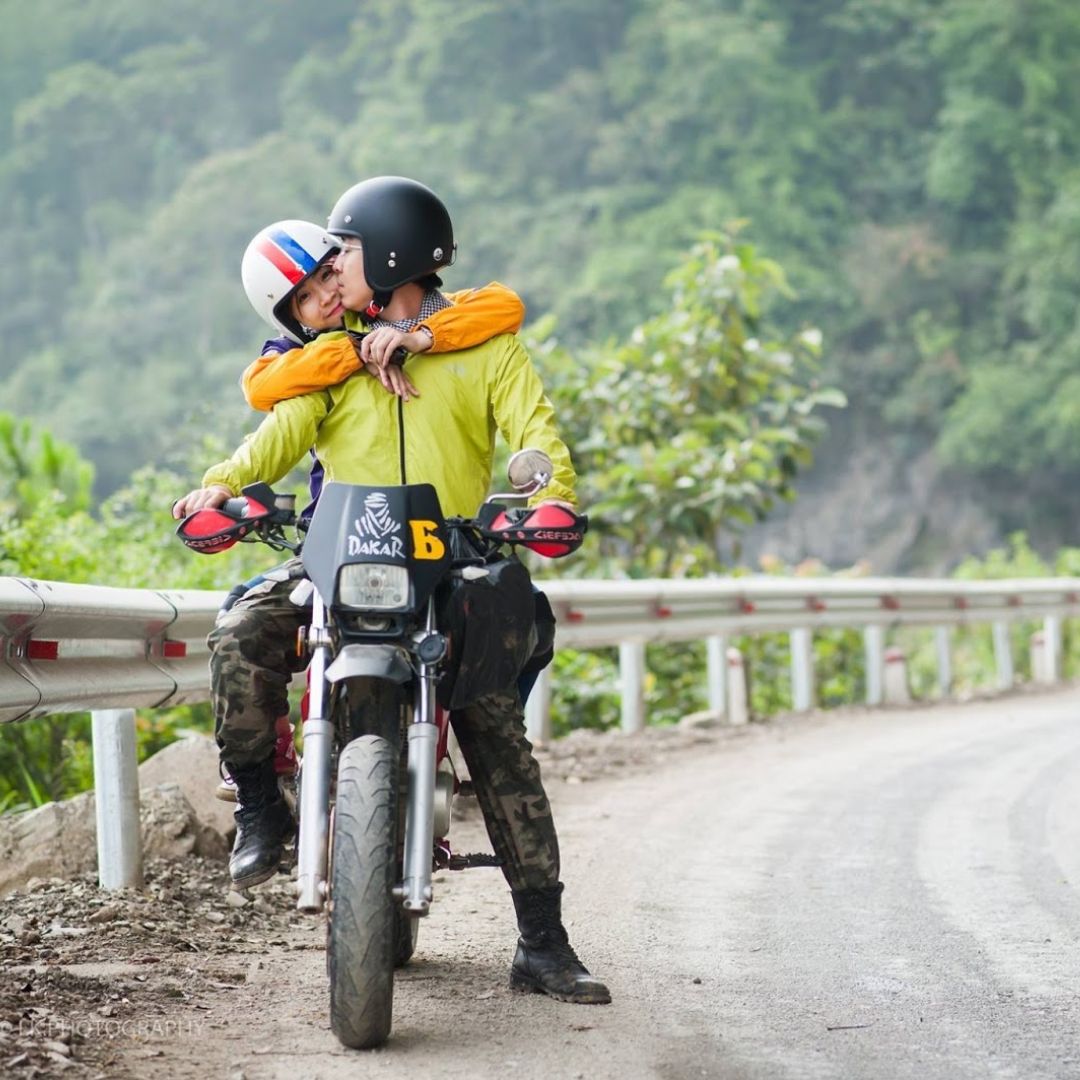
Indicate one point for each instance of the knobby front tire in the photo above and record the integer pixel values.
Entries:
(363, 943)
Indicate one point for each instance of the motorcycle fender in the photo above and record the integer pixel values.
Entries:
(375, 661)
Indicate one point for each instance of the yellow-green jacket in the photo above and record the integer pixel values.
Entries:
(364, 435)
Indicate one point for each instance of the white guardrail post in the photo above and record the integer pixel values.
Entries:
(738, 691)
(1052, 648)
(538, 709)
(897, 691)
(943, 647)
(1003, 655)
(116, 799)
(802, 669)
(1045, 649)
(716, 672)
(874, 652)
(632, 678)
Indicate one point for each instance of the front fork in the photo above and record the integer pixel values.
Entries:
(414, 892)
(423, 738)
(314, 835)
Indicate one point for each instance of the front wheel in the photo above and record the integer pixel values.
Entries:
(362, 944)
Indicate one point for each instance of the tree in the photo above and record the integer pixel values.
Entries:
(699, 422)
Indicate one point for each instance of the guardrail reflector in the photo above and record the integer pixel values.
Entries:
(174, 650)
(42, 650)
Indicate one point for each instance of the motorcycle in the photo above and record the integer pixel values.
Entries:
(413, 615)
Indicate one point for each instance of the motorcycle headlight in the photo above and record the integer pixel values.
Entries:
(373, 586)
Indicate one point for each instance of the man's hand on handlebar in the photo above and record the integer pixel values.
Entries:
(201, 499)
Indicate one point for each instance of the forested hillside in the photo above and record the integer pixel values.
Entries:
(912, 164)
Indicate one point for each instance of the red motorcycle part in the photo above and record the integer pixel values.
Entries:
(549, 530)
(286, 761)
(442, 722)
(209, 531)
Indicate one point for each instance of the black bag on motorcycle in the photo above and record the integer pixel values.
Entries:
(491, 625)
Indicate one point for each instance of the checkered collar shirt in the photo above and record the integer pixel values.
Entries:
(433, 301)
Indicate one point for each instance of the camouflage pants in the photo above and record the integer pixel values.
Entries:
(506, 778)
(252, 660)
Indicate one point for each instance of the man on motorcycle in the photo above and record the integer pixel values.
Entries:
(288, 275)
(395, 234)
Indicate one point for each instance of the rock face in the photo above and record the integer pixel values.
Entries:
(171, 829)
(55, 840)
(865, 503)
(192, 764)
(179, 817)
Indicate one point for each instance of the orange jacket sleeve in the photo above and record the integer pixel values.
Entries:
(274, 377)
(475, 316)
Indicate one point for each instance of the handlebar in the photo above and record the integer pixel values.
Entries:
(259, 514)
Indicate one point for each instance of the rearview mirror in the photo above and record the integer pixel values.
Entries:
(529, 471)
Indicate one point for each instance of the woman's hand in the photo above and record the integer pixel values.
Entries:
(380, 344)
(394, 380)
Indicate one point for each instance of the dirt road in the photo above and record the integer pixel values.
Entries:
(861, 895)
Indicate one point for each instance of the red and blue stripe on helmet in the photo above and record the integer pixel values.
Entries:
(290, 257)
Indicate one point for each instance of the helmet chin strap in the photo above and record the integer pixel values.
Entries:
(379, 300)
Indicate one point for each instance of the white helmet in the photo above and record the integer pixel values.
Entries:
(277, 260)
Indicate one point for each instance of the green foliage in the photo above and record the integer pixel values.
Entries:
(1005, 164)
(36, 468)
(913, 164)
(126, 541)
(708, 414)
(51, 758)
(129, 543)
(585, 690)
(49, 534)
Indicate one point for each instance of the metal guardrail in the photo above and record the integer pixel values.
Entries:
(632, 613)
(68, 648)
(595, 613)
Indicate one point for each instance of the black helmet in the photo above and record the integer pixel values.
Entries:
(404, 227)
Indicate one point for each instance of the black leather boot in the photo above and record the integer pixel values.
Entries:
(545, 963)
(263, 823)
